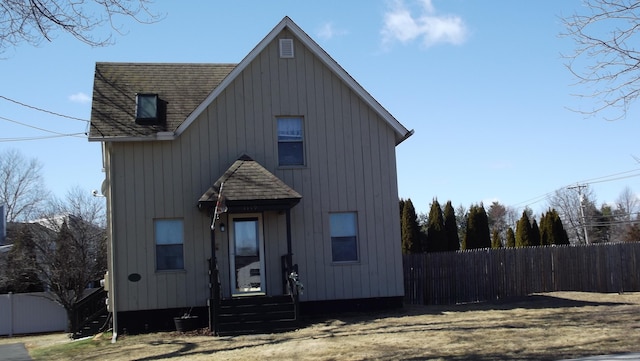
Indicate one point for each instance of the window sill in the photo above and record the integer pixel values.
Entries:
(292, 166)
(165, 271)
(345, 263)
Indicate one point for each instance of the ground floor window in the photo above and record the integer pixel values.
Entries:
(169, 235)
(344, 236)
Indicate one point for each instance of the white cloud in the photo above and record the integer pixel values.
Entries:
(328, 31)
(426, 25)
(80, 97)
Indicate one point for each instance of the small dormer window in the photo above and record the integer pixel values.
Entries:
(147, 108)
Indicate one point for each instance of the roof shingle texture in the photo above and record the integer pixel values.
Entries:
(180, 87)
(247, 180)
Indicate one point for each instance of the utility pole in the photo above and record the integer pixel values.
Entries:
(584, 220)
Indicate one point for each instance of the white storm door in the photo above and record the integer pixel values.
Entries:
(246, 254)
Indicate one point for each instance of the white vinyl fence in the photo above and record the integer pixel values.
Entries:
(25, 313)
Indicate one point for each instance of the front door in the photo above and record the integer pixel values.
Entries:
(246, 254)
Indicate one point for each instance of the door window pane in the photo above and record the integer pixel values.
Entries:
(247, 259)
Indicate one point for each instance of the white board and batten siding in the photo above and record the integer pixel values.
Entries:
(350, 166)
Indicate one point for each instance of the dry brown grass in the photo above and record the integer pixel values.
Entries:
(551, 326)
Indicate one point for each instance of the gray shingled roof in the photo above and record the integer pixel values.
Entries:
(181, 87)
(247, 183)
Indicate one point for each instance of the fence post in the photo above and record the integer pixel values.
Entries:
(10, 314)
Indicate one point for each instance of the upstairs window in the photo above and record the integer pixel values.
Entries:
(344, 236)
(290, 141)
(169, 234)
(147, 108)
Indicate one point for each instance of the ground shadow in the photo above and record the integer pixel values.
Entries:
(530, 302)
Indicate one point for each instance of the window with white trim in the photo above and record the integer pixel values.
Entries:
(169, 236)
(344, 236)
(290, 141)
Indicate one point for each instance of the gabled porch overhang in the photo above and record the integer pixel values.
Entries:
(247, 187)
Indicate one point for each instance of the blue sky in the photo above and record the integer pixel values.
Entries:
(482, 83)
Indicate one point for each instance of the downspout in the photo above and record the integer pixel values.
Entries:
(106, 164)
(112, 287)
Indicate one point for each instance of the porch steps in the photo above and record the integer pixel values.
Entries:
(256, 314)
(92, 327)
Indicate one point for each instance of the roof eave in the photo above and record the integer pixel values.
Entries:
(153, 137)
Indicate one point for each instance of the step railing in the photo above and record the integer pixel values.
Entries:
(214, 298)
(88, 309)
(291, 281)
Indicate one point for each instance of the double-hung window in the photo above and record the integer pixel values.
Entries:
(169, 235)
(290, 141)
(344, 236)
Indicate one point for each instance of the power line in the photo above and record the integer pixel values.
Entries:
(30, 126)
(75, 135)
(42, 110)
(56, 134)
(596, 180)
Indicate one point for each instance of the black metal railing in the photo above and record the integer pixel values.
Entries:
(291, 281)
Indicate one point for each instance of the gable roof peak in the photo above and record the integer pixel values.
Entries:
(401, 133)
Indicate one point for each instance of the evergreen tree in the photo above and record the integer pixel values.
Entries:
(545, 230)
(477, 234)
(451, 228)
(410, 229)
(558, 233)
(511, 238)
(523, 231)
(462, 215)
(436, 240)
(496, 242)
(535, 234)
(19, 275)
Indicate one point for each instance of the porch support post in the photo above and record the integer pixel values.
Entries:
(214, 288)
(289, 251)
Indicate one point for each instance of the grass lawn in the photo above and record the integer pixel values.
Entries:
(550, 326)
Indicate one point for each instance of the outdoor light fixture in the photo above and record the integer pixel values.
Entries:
(221, 227)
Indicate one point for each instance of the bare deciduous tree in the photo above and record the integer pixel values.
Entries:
(70, 248)
(606, 56)
(21, 186)
(569, 203)
(628, 202)
(35, 21)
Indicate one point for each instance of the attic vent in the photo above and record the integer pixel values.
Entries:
(286, 48)
(147, 108)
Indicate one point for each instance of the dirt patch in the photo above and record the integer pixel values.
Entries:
(550, 326)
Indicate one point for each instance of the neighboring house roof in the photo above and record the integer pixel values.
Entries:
(36, 229)
(180, 88)
(248, 184)
(116, 84)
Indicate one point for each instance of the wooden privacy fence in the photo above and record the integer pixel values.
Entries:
(493, 274)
